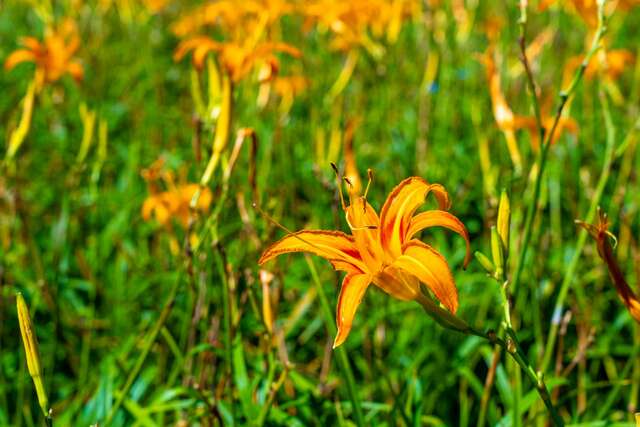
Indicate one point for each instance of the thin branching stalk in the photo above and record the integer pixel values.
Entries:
(565, 95)
(226, 307)
(522, 41)
(573, 264)
(510, 344)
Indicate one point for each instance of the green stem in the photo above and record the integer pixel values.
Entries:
(565, 95)
(527, 67)
(145, 351)
(512, 346)
(341, 354)
(228, 345)
(573, 264)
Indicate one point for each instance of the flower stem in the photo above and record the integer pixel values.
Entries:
(573, 264)
(124, 391)
(341, 354)
(512, 346)
(565, 95)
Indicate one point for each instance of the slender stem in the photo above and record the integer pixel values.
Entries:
(226, 308)
(565, 95)
(342, 358)
(510, 344)
(488, 383)
(145, 351)
(573, 264)
(527, 67)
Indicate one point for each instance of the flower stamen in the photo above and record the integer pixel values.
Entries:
(366, 190)
(339, 182)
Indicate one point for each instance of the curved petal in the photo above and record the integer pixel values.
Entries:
(397, 283)
(31, 43)
(334, 246)
(75, 69)
(353, 288)
(365, 228)
(18, 56)
(197, 42)
(438, 218)
(425, 263)
(399, 208)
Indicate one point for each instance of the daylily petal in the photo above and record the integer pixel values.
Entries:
(331, 245)
(200, 44)
(75, 69)
(353, 289)
(31, 43)
(397, 283)
(365, 228)
(432, 269)
(399, 208)
(438, 218)
(20, 55)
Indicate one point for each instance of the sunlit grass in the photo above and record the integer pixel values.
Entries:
(151, 148)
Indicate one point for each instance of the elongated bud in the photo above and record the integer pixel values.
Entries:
(497, 253)
(504, 221)
(31, 350)
(637, 419)
(267, 313)
(88, 118)
(485, 262)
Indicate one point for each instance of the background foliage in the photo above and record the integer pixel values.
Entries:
(97, 276)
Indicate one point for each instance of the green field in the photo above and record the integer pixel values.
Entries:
(154, 150)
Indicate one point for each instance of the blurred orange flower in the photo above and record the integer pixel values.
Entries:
(506, 120)
(611, 62)
(174, 204)
(509, 123)
(588, 9)
(54, 57)
(381, 250)
(233, 17)
(237, 59)
(600, 232)
(352, 23)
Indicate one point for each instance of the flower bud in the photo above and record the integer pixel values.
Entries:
(485, 262)
(497, 253)
(31, 350)
(504, 221)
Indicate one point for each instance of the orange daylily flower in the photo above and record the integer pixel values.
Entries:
(353, 22)
(237, 59)
(232, 16)
(600, 232)
(164, 206)
(285, 87)
(54, 57)
(612, 62)
(174, 204)
(381, 250)
(565, 125)
(509, 123)
(588, 9)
